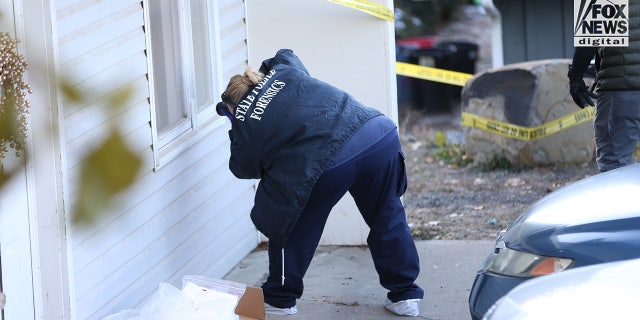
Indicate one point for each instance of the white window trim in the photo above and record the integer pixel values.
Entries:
(184, 135)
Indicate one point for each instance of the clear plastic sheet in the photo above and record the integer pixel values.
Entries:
(200, 298)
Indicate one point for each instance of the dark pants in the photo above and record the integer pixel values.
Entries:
(376, 179)
(617, 128)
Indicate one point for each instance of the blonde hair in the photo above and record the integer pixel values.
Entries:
(239, 85)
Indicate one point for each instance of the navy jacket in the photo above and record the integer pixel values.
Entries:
(286, 131)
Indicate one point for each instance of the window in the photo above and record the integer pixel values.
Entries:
(184, 80)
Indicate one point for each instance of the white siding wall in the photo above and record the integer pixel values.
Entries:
(189, 217)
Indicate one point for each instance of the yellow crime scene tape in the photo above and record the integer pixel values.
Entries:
(494, 126)
(370, 7)
(526, 133)
(432, 74)
(460, 78)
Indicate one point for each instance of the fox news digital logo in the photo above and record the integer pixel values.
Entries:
(601, 23)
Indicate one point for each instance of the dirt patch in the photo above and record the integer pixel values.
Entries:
(446, 201)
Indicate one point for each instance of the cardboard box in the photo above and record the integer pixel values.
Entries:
(251, 305)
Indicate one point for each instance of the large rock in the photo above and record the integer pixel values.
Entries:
(527, 94)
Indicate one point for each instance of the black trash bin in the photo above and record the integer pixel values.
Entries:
(463, 59)
(404, 49)
(404, 84)
(432, 96)
(437, 97)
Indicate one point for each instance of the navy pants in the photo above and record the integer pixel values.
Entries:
(617, 128)
(376, 179)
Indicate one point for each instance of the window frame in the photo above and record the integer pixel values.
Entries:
(178, 137)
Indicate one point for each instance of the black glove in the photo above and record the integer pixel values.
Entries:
(580, 93)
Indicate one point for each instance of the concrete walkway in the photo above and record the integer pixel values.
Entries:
(342, 283)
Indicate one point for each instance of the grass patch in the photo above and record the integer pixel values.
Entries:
(451, 154)
(426, 233)
(500, 163)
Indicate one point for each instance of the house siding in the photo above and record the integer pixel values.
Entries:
(536, 29)
(189, 217)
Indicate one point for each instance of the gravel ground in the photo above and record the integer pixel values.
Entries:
(450, 202)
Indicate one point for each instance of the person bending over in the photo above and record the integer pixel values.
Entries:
(309, 143)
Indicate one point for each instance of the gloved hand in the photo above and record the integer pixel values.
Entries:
(223, 110)
(580, 93)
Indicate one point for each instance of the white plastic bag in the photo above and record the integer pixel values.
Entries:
(201, 298)
(212, 298)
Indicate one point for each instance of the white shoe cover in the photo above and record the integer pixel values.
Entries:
(409, 307)
(269, 309)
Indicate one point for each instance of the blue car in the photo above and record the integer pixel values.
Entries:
(591, 221)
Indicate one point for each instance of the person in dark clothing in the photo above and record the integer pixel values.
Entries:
(617, 94)
(309, 143)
